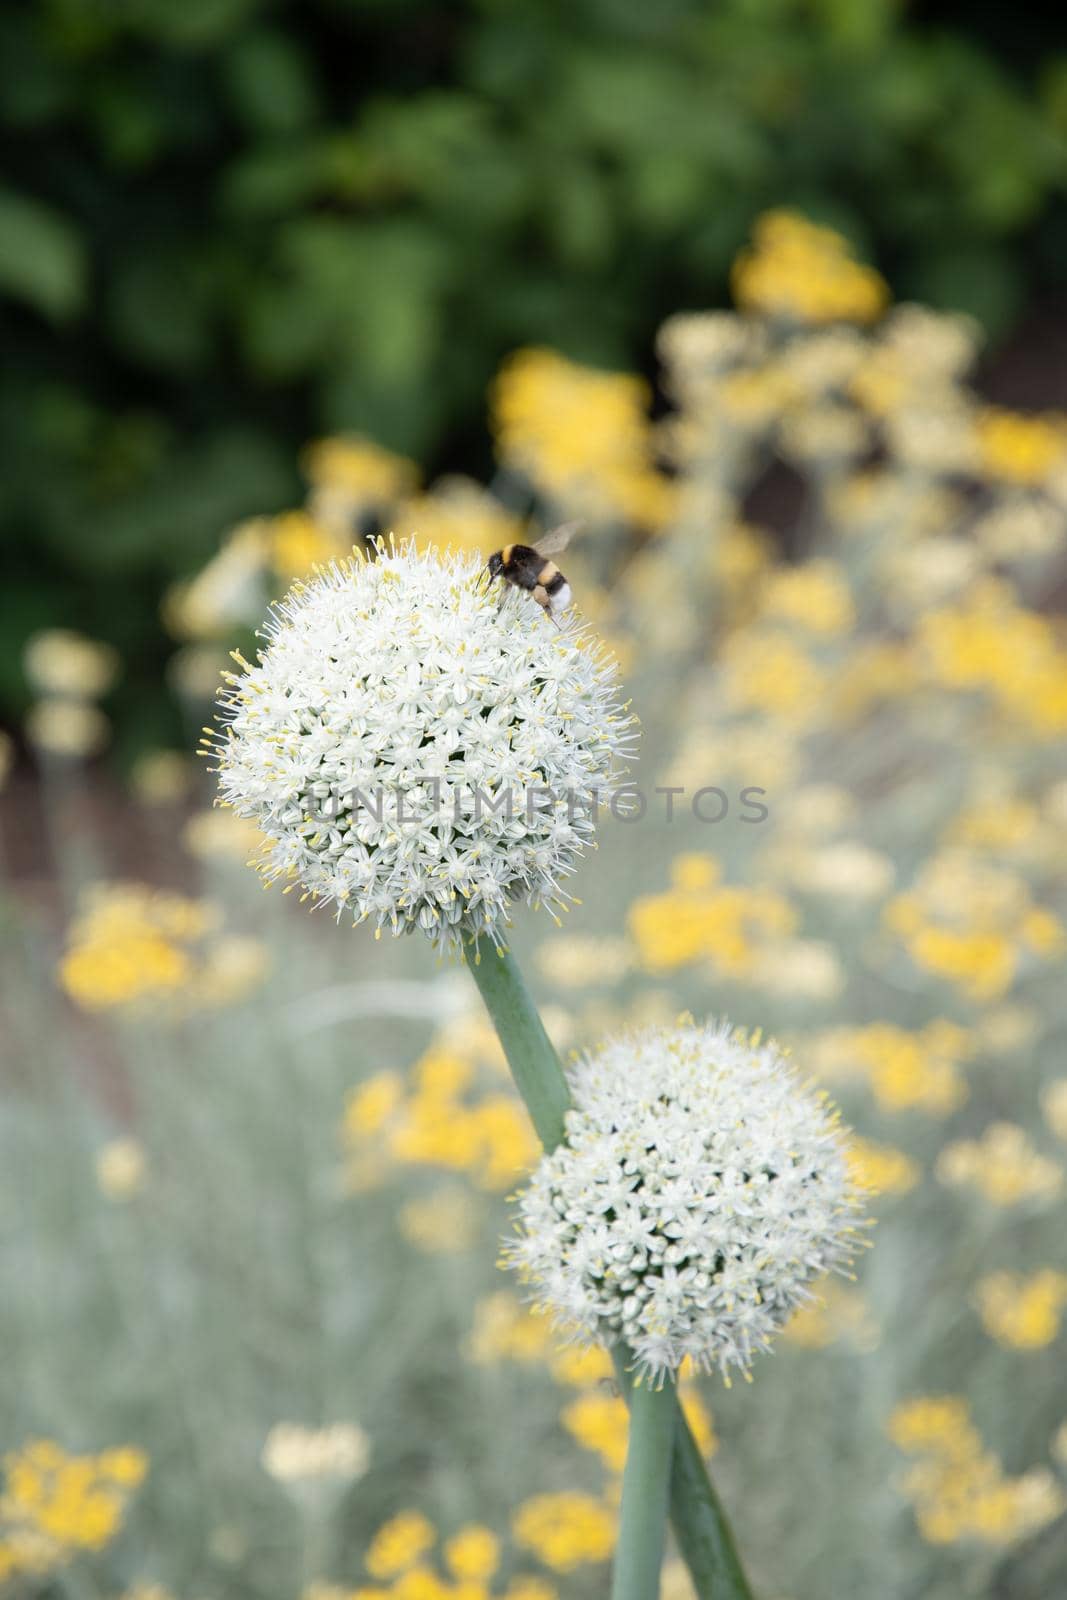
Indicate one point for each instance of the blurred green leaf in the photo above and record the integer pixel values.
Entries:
(270, 83)
(42, 257)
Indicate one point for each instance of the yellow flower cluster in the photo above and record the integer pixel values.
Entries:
(397, 1562)
(988, 643)
(815, 598)
(565, 1530)
(838, 1315)
(769, 672)
(582, 436)
(973, 924)
(352, 478)
(880, 1168)
(132, 947)
(1020, 1312)
(998, 825)
(431, 1122)
(1021, 449)
(597, 1418)
(701, 919)
(504, 1329)
(599, 1422)
(795, 269)
(904, 1070)
(459, 514)
(355, 484)
(1002, 1165)
(54, 1505)
(958, 1489)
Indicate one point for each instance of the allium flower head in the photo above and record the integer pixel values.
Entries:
(701, 1187)
(415, 754)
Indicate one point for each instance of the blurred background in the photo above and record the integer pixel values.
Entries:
(769, 295)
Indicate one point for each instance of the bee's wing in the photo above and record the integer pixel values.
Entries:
(556, 540)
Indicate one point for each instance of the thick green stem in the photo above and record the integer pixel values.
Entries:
(704, 1536)
(531, 1054)
(643, 1515)
(699, 1522)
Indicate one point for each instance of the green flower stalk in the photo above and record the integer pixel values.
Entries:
(699, 1522)
(643, 1518)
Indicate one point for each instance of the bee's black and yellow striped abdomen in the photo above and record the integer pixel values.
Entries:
(527, 569)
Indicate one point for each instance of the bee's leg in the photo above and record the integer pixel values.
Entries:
(544, 600)
(503, 597)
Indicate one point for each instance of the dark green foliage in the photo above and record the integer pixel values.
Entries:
(226, 226)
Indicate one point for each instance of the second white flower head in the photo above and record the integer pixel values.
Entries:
(701, 1187)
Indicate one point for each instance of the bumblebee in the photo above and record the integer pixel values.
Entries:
(527, 567)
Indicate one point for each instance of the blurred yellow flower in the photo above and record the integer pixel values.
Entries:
(352, 479)
(505, 1329)
(1002, 1165)
(1020, 1312)
(1019, 448)
(972, 924)
(836, 1315)
(881, 1169)
(934, 1424)
(580, 435)
(815, 597)
(988, 643)
(565, 1531)
(959, 1490)
(904, 1070)
(601, 1423)
(486, 1135)
(796, 269)
(399, 1543)
(296, 544)
(134, 946)
(472, 1554)
(764, 670)
(701, 919)
(459, 514)
(53, 1504)
(58, 661)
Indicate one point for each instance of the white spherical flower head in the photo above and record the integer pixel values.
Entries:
(701, 1187)
(415, 753)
